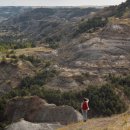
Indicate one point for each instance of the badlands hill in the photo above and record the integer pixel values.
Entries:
(50, 52)
(83, 52)
(8, 12)
(43, 24)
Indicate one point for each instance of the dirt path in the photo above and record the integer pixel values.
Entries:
(119, 122)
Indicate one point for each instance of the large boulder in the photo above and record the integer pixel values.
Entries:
(25, 125)
(35, 109)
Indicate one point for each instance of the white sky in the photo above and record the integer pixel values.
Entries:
(59, 2)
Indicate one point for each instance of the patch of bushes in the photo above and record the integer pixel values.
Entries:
(91, 25)
(39, 79)
(4, 46)
(121, 9)
(3, 60)
(32, 59)
(3, 119)
(121, 81)
(12, 59)
(53, 42)
(103, 100)
(53, 45)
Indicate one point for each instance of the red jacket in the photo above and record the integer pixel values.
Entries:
(85, 106)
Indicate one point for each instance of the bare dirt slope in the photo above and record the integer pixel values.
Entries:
(100, 53)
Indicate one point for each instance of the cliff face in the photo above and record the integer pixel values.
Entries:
(34, 109)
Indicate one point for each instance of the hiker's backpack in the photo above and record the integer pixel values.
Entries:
(85, 105)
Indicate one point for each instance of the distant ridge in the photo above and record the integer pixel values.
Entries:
(82, 6)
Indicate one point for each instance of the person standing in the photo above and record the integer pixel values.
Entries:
(85, 108)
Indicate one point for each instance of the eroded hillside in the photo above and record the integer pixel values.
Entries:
(8, 12)
(43, 24)
(84, 51)
(106, 51)
(50, 52)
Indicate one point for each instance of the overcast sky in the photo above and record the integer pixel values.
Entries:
(59, 2)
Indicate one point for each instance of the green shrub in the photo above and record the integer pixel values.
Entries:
(34, 60)
(103, 99)
(90, 25)
(122, 81)
(3, 60)
(39, 79)
(4, 46)
(53, 42)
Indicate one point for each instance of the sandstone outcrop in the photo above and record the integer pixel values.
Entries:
(35, 109)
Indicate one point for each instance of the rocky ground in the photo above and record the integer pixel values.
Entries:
(25, 125)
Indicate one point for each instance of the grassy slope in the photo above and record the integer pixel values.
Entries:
(32, 50)
(119, 122)
(124, 21)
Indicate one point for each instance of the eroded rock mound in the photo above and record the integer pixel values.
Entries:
(34, 109)
(25, 125)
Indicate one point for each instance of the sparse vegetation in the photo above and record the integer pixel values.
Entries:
(119, 122)
(104, 101)
(122, 82)
(122, 8)
(91, 25)
(3, 60)
(53, 42)
(34, 60)
(4, 46)
(39, 79)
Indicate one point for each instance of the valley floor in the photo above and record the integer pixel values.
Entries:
(118, 122)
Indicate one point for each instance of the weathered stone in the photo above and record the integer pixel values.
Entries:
(35, 109)
(25, 125)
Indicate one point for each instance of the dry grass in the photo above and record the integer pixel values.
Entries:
(28, 51)
(127, 13)
(119, 122)
(114, 20)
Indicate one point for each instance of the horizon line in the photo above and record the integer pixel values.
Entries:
(56, 6)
